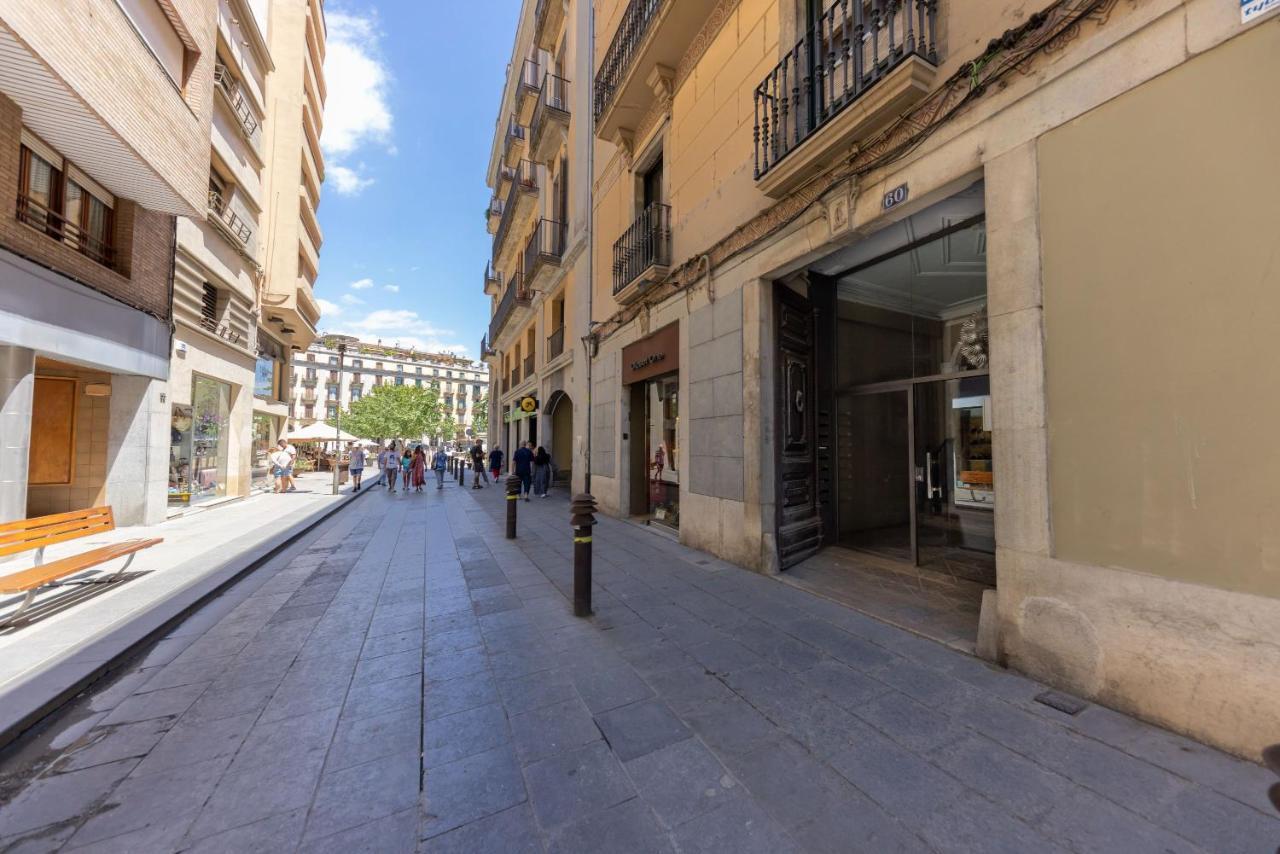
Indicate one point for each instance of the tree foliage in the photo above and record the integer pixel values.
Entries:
(397, 412)
(480, 415)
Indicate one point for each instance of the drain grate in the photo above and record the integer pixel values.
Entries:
(1062, 702)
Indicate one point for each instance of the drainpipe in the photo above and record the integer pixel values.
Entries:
(591, 231)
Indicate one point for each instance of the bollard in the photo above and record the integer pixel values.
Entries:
(582, 510)
(462, 472)
(513, 498)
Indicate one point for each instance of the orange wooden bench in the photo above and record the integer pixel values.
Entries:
(43, 531)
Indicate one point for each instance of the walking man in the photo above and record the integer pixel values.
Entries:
(390, 462)
(439, 462)
(477, 465)
(523, 462)
(356, 466)
(292, 453)
(495, 462)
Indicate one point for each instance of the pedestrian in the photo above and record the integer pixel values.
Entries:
(477, 465)
(419, 468)
(293, 458)
(406, 463)
(390, 462)
(541, 471)
(279, 460)
(495, 462)
(440, 462)
(522, 459)
(356, 466)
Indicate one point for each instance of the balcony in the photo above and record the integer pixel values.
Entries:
(527, 91)
(521, 198)
(492, 281)
(227, 220)
(333, 377)
(513, 298)
(309, 382)
(542, 254)
(309, 398)
(642, 255)
(230, 89)
(549, 127)
(555, 344)
(485, 350)
(528, 366)
(58, 227)
(515, 376)
(513, 146)
(548, 16)
(493, 215)
(852, 74)
(640, 63)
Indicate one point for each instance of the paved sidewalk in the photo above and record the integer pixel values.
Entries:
(412, 681)
(72, 630)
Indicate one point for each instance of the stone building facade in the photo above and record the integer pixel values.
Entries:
(935, 294)
(104, 127)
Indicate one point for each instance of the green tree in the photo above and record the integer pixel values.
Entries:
(480, 415)
(396, 412)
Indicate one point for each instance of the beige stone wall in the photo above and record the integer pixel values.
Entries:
(1161, 308)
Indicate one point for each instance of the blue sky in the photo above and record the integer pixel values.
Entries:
(414, 87)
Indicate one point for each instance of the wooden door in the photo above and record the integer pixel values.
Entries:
(799, 521)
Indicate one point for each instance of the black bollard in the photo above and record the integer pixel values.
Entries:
(582, 510)
(513, 498)
(462, 472)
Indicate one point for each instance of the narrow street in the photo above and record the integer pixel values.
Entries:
(410, 680)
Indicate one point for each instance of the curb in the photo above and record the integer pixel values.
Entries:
(88, 665)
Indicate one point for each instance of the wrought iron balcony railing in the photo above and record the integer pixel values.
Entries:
(514, 295)
(545, 248)
(525, 180)
(630, 34)
(54, 224)
(849, 48)
(551, 111)
(555, 343)
(646, 244)
(228, 218)
(528, 366)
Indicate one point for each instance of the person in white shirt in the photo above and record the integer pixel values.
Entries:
(356, 466)
(293, 456)
(281, 462)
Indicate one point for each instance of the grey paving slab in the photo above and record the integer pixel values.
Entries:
(374, 698)
(469, 789)
(607, 689)
(627, 828)
(452, 737)
(570, 787)
(458, 695)
(549, 730)
(58, 798)
(740, 826)
(274, 833)
(366, 738)
(113, 742)
(640, 728)
(681, 781)
(512, 831)
(355, 796)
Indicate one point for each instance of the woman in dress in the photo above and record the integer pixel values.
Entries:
(419, 468)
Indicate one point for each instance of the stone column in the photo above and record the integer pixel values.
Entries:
(138, 450)
(17, 387)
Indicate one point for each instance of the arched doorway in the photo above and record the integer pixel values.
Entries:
(560, 421)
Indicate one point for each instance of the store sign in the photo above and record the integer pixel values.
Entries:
(652, 356)
(527, 407)
(895, 197)
(1251, 9)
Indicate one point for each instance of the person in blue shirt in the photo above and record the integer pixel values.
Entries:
(522, 459)
(440, 462)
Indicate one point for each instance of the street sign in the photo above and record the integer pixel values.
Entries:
(1250, 9)
(899, 194)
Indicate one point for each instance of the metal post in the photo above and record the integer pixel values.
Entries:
(462, 471)
(513, 498)
(582, 510)
(337, 422)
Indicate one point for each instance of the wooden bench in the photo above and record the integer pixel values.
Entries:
(44, 531)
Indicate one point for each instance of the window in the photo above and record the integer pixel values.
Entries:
(379, 366)
(156, 29)
(418, 383)
(333, 360)
(57, 198)
(356, 364)
(435, 372)
(448, 373)
(209, 307)
(400, 368)
(419, 370)
(311, 357)
(399, 380)
(311, 373)
(309, 411)
(355, 393)
(332, 411)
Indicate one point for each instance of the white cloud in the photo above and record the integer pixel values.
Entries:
(395, 289)
(405, 328)
(362, 284)
(357, 112)
(348, 182)
(352, 299)
(329, 309)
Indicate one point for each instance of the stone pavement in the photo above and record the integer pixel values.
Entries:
(72, 631)
(409, 680)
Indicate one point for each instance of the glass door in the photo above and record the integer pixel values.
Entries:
(954, 478)
(874, 465)
(662, 452)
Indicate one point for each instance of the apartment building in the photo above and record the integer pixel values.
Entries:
(949, 311)
(326, 381)
(539, 217)
(105, 115)
(229, 379)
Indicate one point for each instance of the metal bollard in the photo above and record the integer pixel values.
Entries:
(582, 510)
(513, 498)
(462, 472)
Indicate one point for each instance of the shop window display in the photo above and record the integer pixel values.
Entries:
(198, 450)
(663, 403)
